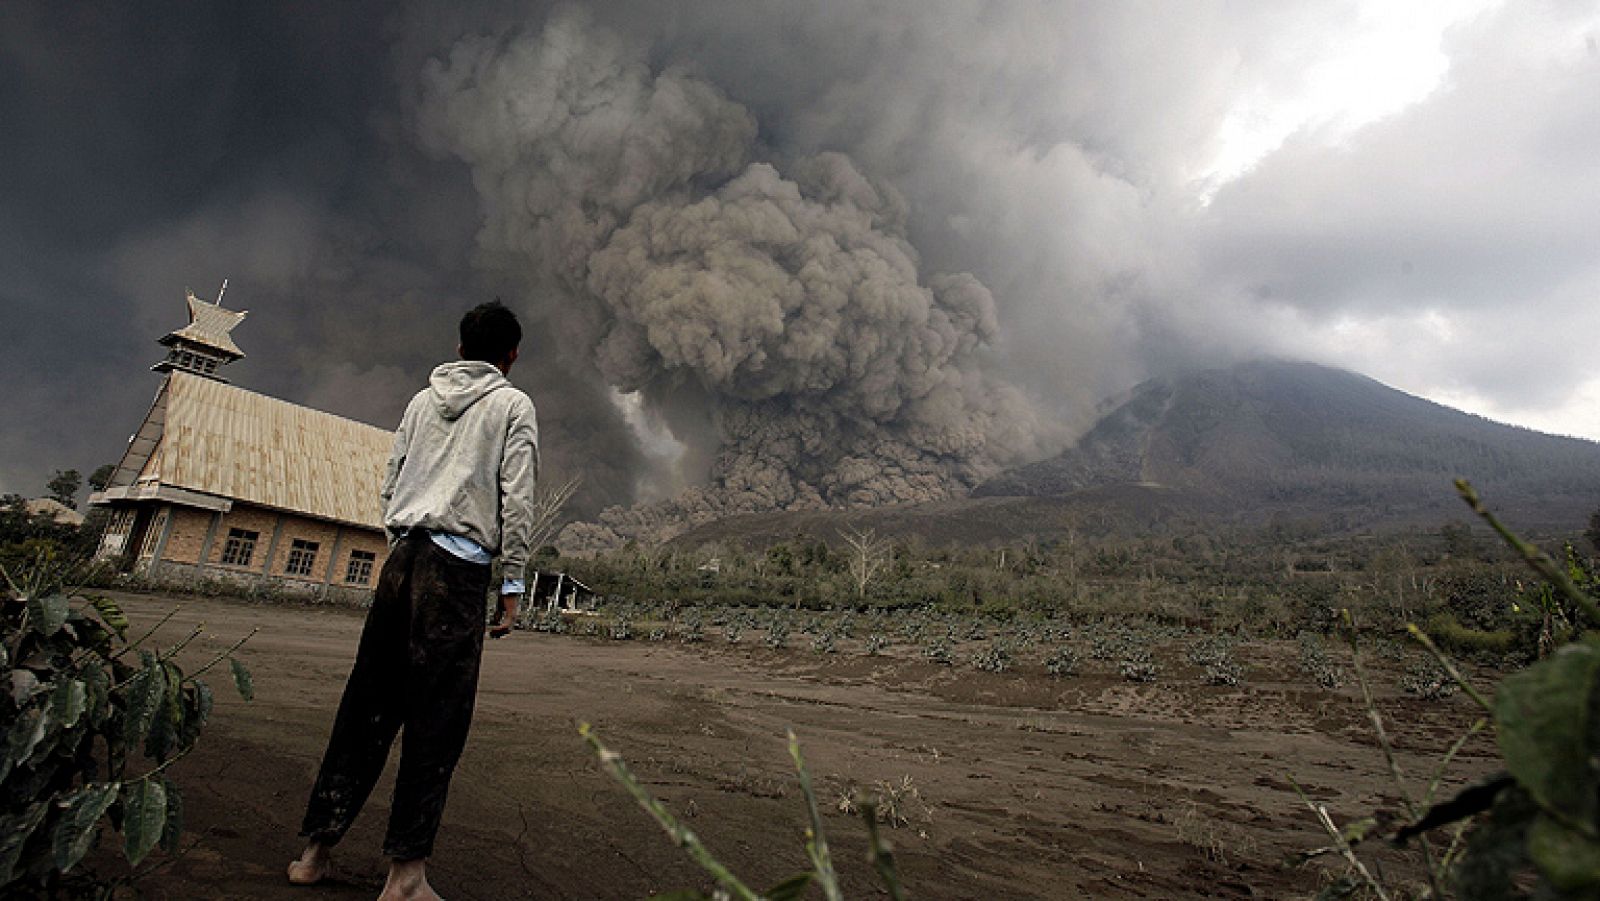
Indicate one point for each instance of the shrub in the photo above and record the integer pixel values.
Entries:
(1315, 663)
(1477, 643)
(823, 642)
(996, 658)
(91, 734)
(691, 629)
(1138, 665)
(1426, 679)
(1063, 661)
(938, 651)
(777, 633)
(1224, 672)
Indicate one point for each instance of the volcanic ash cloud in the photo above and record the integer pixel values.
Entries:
(788, 303)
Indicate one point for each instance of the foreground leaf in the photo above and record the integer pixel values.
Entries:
(49, 613)
(1471, 801)
(24, 685)
(242, 680)
(144, 817)
(172, 828)
(146, 692)
(26, 733)
(68, 702)
(14, 833)
(76, 829)
(789, 889)
(97, 685)
(1497, 850)
(165, 729)
(1542, 714)
(1569, 859)
(112, 615)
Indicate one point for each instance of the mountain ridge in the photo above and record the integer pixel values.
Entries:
(1243, 446)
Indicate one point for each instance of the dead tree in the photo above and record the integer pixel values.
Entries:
(547, 506)
(868, 554)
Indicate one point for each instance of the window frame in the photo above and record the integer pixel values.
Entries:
(302, 558)
(247, 539)
(361, 563)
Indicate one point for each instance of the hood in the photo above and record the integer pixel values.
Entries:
(457, 386)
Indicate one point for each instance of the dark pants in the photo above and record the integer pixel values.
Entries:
(416, 667)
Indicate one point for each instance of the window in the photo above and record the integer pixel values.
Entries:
(302, 555)
(240, 547)
(359, 572)
(152, 534)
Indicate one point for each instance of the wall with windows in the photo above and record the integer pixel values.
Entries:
(307, 556)
(360, 542)
(251, 529)
(303, 549)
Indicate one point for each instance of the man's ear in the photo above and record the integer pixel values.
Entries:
(511, 358)
(458, 352)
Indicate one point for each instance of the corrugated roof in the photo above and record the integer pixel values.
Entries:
(209, 324)
(57, 511)
(223, 440)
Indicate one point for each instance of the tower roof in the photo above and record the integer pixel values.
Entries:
(209, 325)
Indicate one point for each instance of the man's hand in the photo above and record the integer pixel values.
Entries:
(508, 616)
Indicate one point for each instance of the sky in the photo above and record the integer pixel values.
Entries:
(1025, 208)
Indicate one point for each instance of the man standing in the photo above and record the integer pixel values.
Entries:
(458, 491)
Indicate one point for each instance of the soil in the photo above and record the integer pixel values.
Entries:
(1011, 785)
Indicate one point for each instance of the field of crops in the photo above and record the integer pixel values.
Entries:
(1031, 758)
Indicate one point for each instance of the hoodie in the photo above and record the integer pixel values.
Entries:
(466, 462)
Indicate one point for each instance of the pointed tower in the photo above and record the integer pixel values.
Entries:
(204, 345)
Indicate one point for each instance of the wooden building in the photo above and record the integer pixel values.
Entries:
(224, 484)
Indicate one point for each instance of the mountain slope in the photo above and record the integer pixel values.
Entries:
(1274, 431)
(1244, 446)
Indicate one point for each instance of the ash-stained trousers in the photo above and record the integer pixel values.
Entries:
(416, 668)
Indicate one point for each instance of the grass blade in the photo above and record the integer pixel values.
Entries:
(681, 835)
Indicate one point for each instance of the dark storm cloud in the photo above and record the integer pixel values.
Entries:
(1052, 150)
(157, 147)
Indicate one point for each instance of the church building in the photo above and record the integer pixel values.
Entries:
(220, 483)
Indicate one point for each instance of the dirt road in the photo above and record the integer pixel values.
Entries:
(1010, 786)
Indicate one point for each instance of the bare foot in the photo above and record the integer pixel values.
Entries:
(312, 866)
(408, 881)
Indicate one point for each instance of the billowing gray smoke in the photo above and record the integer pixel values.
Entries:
(787, 303)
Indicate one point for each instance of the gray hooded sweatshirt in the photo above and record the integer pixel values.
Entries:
(466, 462)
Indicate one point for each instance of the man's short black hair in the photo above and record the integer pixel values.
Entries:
(489, 332)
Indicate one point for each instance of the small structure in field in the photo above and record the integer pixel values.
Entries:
(223, 483)
(558, 591)
(59, 513)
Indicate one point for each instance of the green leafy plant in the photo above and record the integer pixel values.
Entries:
(823, 642)
(1062, 662)
(996, 658)
(777, 633)
(938, 651)
(1531, 830)
(93, 722)
(1139, 666)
